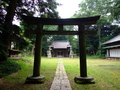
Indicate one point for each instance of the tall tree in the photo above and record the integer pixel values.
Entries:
(45, 8)
(113, 7)
(7, 26)
(98, 7)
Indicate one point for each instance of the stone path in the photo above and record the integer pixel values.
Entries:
(60, 81)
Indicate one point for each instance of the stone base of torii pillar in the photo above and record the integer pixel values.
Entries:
(38, 79)
(84, 80)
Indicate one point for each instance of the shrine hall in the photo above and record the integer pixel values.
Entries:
(60, 48)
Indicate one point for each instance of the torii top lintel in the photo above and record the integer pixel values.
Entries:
(70, 21)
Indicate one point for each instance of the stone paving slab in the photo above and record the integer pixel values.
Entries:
(60, 81)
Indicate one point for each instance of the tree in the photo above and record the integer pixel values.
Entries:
(22, 7)
(7, 25)
(113, 7)
(103, 27)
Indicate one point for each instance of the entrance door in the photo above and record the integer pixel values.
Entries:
(60, 54)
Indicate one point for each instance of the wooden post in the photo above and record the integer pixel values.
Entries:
(36, 77)
(60, 28)
(82, 50)
(38, 51)
(83, 78)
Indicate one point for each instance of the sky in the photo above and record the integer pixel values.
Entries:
(68, 7)
(66, 10)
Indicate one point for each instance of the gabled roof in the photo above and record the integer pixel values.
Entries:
(60, 44)
(115, 39)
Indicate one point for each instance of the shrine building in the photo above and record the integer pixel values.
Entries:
(112, 47)
(60, 48)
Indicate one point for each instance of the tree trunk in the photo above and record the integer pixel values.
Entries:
(94, 52)
(99, 34)
(7, 25)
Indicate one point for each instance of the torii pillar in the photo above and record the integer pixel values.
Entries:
(83, 78)
(36, 77)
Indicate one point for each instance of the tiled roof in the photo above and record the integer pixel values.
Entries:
(115, 39)
(60, 44)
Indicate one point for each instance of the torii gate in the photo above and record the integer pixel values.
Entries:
(83, 78)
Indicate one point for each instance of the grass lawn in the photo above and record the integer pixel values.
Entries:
(105, 72)
(16, 80)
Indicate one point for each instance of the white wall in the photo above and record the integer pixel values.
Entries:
(114, 52)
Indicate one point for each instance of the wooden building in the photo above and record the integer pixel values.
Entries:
(112, 47)
(60, 48)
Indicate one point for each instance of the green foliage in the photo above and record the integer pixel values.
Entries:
(92, 44)
(70, 28)
(45, 43)
(74, 42)
(2, 52)
(21, 44)
(104, 39)
(108, 9)
(96, 57)
(50, 27)
(8, 67)
(104, 28)
(17, 8)
(59, 37)
(113, 7)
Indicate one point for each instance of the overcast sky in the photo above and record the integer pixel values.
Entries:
(66, 10)
(68, 7)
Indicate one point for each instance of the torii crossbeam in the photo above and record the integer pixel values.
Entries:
(83, 78)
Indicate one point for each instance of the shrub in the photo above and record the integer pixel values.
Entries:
(8, 67)
(96, 56)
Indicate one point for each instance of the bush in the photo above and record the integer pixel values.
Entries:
(8, 67)
(96, 56)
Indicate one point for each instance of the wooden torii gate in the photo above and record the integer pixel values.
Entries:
(83, 78)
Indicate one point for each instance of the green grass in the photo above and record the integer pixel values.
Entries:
(105, 72)
(16, 81)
